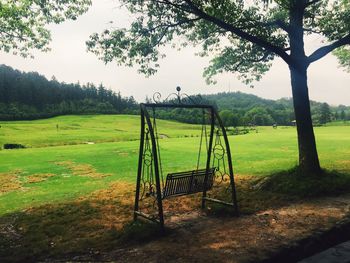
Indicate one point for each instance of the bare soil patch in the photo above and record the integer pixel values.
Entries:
(10, 182)
(82, 169)
(196, 237)
(36, 178)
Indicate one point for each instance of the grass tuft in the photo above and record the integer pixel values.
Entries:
(294, 183)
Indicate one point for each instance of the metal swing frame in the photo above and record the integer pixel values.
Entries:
(147, 125)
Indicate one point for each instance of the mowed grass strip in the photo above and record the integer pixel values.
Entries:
(80, 129)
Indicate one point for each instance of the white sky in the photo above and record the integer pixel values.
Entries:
(69, 62)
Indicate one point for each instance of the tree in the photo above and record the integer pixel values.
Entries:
(243, 36)
(32, 96)
(23, 22)
(259, 116)
(343, 115)
(325, 114)
(336, 116)
(227, 117)
(343, 54)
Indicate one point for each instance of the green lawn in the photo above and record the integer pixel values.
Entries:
(115, 153)
(339, 123)
(68, 130)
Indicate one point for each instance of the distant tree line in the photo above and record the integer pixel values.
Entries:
(240, 109)
(32, 96)
(193, 116)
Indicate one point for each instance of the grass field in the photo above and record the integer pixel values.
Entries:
(69, 130)
(52, 170)
(70, 192)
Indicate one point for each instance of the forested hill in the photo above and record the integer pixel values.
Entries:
(32, 96)
(238, 108)
(250, 109)
(227, 100)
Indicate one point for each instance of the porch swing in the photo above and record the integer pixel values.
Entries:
(150, 179)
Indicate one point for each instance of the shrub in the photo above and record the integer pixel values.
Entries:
(13, 146)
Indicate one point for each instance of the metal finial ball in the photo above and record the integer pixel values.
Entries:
(178, 88)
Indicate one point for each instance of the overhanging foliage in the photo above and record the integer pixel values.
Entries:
(241, 36)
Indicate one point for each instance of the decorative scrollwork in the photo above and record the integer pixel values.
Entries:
(147, 158)
(221, 177)
(219, 152)
(157, 97)
(177, 98)
(219, 160)
(147, 179)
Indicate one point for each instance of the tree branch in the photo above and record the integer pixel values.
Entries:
(237, 31)
(264, 57)
(18, 37)
(275, 23)
(323, 51)
(312, 2)
(167, 2)
(312, 31)
(279, 23)
(179, 23)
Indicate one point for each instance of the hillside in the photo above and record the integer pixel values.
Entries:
(248, 108)
(26, 96)
(30, 95)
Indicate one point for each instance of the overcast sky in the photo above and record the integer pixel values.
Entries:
(68, 61)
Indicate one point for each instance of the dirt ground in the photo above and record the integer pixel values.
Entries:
(88, 230)
(194, 237)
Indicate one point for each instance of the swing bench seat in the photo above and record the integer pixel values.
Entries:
(189, 182)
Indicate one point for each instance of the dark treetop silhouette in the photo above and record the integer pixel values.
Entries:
(243, 37)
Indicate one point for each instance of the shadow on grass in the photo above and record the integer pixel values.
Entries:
(296, 184)
(282, 188)
(103, 222)
(86, 228)
(65, 232)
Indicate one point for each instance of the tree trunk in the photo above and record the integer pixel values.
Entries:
(308, 158)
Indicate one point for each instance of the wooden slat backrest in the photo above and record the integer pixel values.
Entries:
(188, 182)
